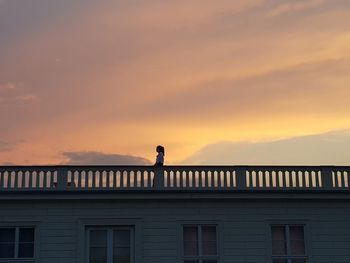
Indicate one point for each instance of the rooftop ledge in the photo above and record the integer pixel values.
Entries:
(194, 180)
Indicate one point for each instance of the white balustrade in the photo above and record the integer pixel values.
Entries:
(174, 178)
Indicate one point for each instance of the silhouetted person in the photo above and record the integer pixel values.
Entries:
(160, 156)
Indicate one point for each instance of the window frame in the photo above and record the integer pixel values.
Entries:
(100, 223)
(17, 226)
(200, 257)
(110, 230)
(288, 257)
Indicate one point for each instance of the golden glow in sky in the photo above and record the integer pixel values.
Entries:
(202, 77)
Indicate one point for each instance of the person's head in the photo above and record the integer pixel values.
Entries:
(160, 149)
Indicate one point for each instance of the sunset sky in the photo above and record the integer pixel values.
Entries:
(214, 81)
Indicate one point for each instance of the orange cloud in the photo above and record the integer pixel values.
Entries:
(295, 6)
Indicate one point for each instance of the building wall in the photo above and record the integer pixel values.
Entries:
(243, 225)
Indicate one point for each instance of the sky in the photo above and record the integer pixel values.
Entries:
(215, 82)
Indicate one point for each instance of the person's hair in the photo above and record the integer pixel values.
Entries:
(161, 149)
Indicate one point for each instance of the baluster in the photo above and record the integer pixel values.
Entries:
(293, 178)
(181, 175)
(286, 176)
(44, 179)
(267, 180)
(195, 179)
(15, 185)
(212, 178)
(30, 183)
(280, 179)
(226, 173)
(79, 173)
(138, 179)
(177, 179)
(191, 178)
(123, 180)
(200, 179)
(142, 178)
(307, 179)
(314, 181)
(247, 178)
(234, 179)
(319, 179)
(37, 180)
(108, 179)
(6, 179)
(114, 176)
(166, 178)
(1, 179)
(259, 179)
(220, 180)
(206, 179)
(147, 175)
(339, 179)
(299, 182)
(187, 178)
(94, 179)
(128, 183)
(253, 177)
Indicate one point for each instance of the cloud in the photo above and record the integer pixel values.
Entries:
(8, 86)
(28, 97)
(301, 88)
(5, 146)
(14, 92)
(183, 13)
(7, 163)
(294, 6)
(322, 149)
(98, 158)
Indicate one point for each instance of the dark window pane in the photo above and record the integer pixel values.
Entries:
(280, 261)
(190, 240)
(191, 261)
(297, 243)
(26, 250)
(209, 261)
(297, 247)
(190, 233)
(278, 233)
(98, 255)
(98, 238)
(26, 235)
(208, 233)
(190, 248)
(209, 248)
(121, 238)
(299, 261)
(296, 232)
(279, 248)
(121, 255)
(7, 234)
(7, 250)
(209, 240)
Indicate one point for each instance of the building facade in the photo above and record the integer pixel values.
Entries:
(131, 214)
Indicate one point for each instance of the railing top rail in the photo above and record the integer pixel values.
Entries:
(169, 166)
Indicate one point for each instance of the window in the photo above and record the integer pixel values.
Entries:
(16, 243)
(110, 245)
(200, 244)
(288, 244)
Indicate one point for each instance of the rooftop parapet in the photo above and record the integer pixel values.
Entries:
(171, 178)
